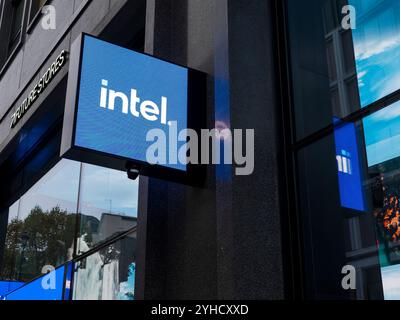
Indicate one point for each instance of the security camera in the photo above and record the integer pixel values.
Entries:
(132, 171)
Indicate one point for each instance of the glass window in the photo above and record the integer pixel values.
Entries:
(382, 135)
(321, 59)
(331, 60)
(336, 201)
(108, 274)
(36, 6)
(348, 177)
(377, 48)
(41, 224)
(16, 22)
(107, 205)
(14, 227)
(348, 52)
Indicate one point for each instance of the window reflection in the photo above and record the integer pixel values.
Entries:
(349, 181)
(108, 274)
(382, 135)
(14, 227)
(324, 85)
(352, 208)
(384, 162)
(36, 6)
(41, 224)
(108, 205)
(377, 48)
(16, 23)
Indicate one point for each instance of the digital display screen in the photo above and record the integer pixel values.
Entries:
(9, 286)
(47, 287)
(122, 95)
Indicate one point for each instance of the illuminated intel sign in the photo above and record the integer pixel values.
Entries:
(115, 96)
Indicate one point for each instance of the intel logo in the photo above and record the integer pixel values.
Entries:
(146, 109)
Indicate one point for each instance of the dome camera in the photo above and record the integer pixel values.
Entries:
(133, 171)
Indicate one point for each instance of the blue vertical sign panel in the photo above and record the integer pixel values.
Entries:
(349, 173)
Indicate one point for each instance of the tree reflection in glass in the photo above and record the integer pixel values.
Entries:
(43, 238)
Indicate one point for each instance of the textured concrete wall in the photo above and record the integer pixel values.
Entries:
(256, 251)
(222, 240)
(179, 222)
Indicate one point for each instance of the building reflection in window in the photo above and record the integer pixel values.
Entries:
(41, 224)
(108, 205)
(382, 135)
(108, 274)
(377, 51)
(349, 207)
(324, 85)
(377, 48)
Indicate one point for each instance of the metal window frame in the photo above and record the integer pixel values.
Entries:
(5, 38)
(291, 239)
(32, 21)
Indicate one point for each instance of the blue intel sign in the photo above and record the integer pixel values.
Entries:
(115, 96)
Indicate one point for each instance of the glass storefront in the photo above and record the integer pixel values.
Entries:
(104, 274)
(107, 205)
(42, 223)
(346, 114)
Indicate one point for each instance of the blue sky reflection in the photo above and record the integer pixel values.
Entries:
(377, 49)
(377, 52)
